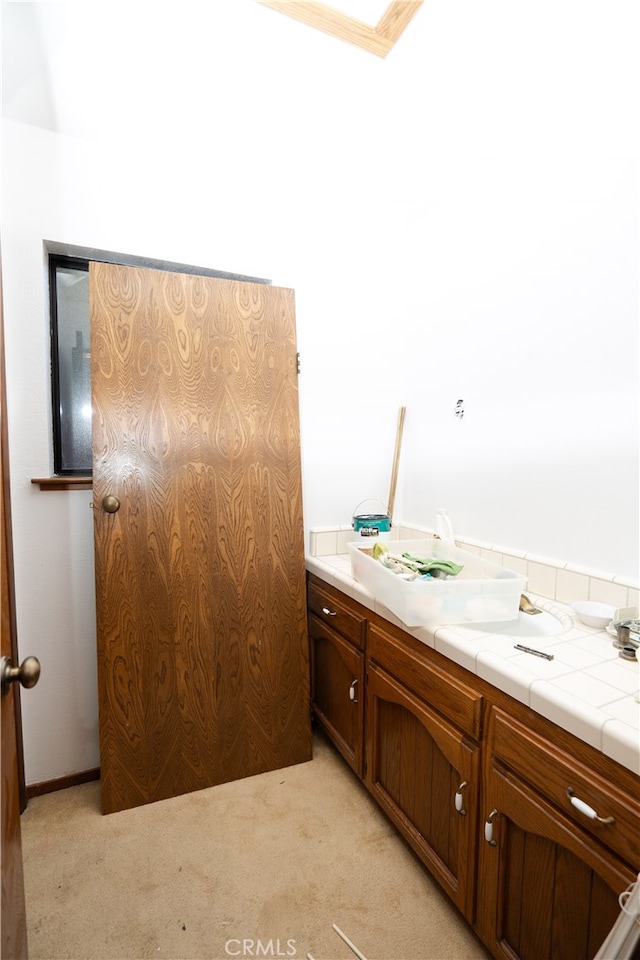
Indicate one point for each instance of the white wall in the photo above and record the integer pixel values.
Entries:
(458, 221)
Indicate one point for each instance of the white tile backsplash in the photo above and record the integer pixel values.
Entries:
(469, 547)
(515, 564)
(345, 536)
(571, 586)
(324, 543)
(541, 579)
(487, 553)
(550, 578)
(604, 591)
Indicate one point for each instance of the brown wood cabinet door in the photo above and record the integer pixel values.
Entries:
(416, 763)
(547, 890)
(337, 690)
(200, 579)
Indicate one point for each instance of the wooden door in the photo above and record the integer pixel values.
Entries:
(200, 578)
(14, 925)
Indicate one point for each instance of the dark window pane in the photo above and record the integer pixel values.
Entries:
(71, 374)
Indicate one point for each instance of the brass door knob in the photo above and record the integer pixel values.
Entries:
(110, 504)
(27, 674)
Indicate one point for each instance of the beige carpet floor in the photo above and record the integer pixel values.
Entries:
(262, 867)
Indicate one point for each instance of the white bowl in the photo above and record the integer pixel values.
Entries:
(594, 614)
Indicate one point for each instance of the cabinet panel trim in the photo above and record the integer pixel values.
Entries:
(551, 771)
(460, 704)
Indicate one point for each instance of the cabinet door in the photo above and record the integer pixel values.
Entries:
(416, 764)
(337, 690)
(547, 889)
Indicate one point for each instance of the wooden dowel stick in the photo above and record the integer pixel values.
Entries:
(396, 461)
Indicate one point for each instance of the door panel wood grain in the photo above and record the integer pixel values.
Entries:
(200, 582)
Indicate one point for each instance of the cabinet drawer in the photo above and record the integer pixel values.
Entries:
(336, 613)
(460, 704)
(554, 773)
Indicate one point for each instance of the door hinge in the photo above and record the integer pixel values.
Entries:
(297, 363)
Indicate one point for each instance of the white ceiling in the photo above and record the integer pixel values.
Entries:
(65, 60)
(553, 71)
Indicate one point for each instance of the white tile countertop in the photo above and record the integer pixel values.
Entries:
(587, 689)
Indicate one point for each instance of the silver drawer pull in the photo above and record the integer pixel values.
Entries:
(352, 692)
(458, 799)
(329, 613)
(586, 809)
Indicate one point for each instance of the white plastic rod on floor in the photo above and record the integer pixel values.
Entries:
(360, 956)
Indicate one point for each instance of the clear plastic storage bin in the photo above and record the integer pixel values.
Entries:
(482, 592)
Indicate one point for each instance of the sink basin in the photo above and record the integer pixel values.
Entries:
(543, 624)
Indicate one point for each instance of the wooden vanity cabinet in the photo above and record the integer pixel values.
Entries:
(550, 877)
(479, 785)
(337, 631)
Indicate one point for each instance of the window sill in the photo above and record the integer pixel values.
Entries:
(64, 483)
